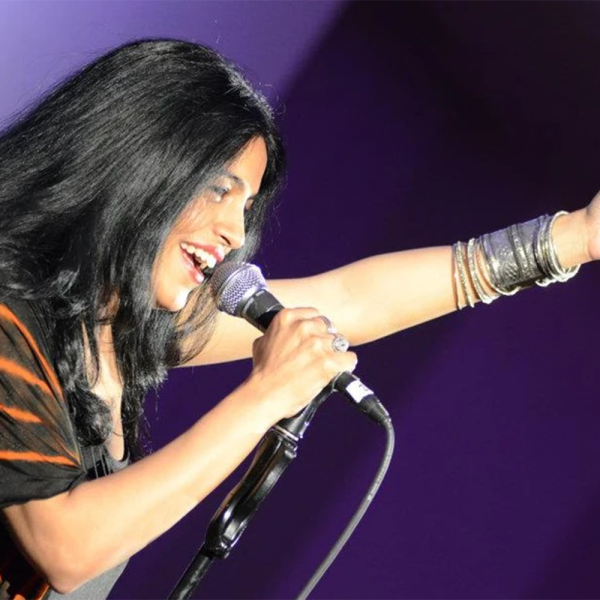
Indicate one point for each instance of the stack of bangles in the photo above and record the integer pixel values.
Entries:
(507, 261)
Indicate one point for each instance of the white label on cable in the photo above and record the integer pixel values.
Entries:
(358, 391)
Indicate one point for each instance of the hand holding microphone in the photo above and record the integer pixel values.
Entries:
(240, 290)
(298, 358)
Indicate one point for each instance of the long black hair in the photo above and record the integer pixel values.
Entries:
(92, 180)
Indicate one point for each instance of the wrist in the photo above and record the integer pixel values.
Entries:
(263, 399)
(571, 235)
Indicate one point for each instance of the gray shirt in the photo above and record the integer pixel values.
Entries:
(99, 462)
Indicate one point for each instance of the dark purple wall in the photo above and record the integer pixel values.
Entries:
(416, 124)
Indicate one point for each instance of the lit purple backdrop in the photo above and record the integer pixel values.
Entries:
(407, 124)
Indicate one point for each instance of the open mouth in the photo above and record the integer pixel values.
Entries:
(204, 262)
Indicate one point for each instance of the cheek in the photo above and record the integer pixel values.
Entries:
(161, 268)
(193, 217)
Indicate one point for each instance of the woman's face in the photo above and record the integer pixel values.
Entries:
(210, 227)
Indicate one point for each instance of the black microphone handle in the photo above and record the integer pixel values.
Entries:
(259, 310)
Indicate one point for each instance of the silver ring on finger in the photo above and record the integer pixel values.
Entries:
(330, 326)
(339, 343)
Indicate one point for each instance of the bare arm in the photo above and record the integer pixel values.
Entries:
(381, 295)
(77, 535)
(101, 523)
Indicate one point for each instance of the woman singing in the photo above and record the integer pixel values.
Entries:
(120, 192)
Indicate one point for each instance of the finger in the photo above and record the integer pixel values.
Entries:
(352, 361)
(318, 325)
(330, 327)
(347, 360)
(329, 348)
(337, 341)
(337, 363)
(287, 316)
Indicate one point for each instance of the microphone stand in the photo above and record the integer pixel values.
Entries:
(275, 452)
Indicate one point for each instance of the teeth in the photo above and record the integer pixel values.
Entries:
(209, 259)
(204, 257)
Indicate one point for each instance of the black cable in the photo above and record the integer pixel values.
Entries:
(358, 515)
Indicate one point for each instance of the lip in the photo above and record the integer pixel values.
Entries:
(190, 265)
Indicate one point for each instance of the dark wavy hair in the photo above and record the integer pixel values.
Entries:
(92, 180)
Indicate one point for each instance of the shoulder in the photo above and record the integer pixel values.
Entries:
(25, 317)
(24, 342)
(39, 453)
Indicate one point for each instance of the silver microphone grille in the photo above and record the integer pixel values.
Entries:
(233, 283)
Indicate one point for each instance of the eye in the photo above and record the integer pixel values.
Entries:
(219, 192)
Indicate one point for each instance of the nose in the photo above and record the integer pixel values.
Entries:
(230, 225)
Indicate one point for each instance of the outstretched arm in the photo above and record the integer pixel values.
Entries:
(381, 295)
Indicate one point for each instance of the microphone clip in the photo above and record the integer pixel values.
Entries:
(276, 450)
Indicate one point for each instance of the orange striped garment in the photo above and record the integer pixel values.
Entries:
(39, 454)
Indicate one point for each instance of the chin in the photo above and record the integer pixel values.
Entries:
(174, 303)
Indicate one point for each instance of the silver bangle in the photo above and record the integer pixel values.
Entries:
(482, 266)
(509, 260)
(483, 295)
(521, 237)
(494, 267)
(558, 272)
(542, 254)
(455, 278)
(463, 277)
(515, 262)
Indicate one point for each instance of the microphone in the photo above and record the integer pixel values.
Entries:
(240, 290)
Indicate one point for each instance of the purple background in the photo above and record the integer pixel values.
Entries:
(407, 124)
